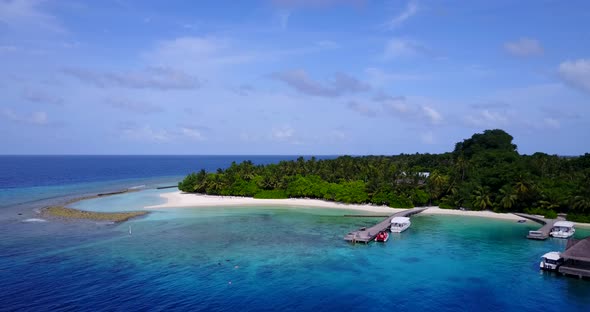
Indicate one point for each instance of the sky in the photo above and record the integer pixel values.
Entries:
(293, 77)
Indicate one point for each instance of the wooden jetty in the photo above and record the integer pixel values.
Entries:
(364, 235)
(166, 187)
(543, 232)
(113, 193)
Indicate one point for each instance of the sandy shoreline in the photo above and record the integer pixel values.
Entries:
(179, 200)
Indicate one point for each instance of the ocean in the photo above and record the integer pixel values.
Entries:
(41, 180)
(250, 258)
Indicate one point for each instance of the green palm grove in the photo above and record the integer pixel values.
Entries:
(484, 172)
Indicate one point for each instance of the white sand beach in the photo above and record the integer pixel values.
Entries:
(179, 199)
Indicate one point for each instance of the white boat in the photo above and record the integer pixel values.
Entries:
(400, 224)
(563, 229)
(551, 261)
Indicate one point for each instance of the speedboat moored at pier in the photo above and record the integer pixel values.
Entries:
(400, 224)
(383, 236)
(563, 229)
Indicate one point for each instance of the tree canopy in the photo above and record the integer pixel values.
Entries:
(483, 172)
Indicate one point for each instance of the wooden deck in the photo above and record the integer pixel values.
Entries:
(575, 268)
(364, 235)
(544, 230)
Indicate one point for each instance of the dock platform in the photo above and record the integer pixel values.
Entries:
(365, 235)
(578, 269)
(543, 232)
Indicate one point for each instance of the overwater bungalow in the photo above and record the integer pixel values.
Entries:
(576, 258)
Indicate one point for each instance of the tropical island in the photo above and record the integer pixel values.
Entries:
(484, 172)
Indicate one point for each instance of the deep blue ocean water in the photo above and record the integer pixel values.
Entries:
(28, 179)
(264, 258)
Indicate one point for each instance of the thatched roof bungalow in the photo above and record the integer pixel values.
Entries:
(577, 258)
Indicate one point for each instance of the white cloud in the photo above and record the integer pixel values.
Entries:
(134, 106)
(296, 4)
(432, 114)
(194, 46)
(416, 108)
(524, 47)
(285, 134)
(160, 78)
(548, 123)
(552, 123)
(395, 105)
(339, 85)
(487, 118)
(197, 53)
(218, 58)
(38, 118)
(576, 73)
(532, 107)
(244, 89)
(401, 47)
(28, 16)
(42, 97)
(362, 109)
(378, 77)
(327, 44)
(146, 133)
(35, 118)
(192, 133)
(336, 135)
(410, 10)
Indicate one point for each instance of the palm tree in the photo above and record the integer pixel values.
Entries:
(436, 183)
(523, 187)
(481, 199)
(453, 197)
(215, 184)
(461, 166)
(541, 164)
(266, 183)
(548, 204)
(581, 203)
(201, 186)
(508, 198)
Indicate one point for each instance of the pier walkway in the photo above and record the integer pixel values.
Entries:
(543, 232)
(364, 235)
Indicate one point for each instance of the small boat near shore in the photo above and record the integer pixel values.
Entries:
(382, 237)
(399, 224)
(563, 229)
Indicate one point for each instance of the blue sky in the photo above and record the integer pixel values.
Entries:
(291, 76)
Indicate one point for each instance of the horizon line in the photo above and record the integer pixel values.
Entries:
(259, 155)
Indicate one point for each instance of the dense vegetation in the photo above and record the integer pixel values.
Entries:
(483, 172)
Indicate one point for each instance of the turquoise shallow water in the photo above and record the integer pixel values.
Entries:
(257, 259)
